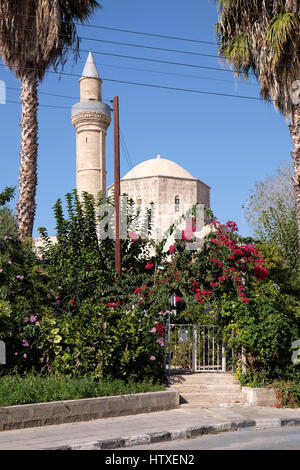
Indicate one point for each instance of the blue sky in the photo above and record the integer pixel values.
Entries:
(228, 143)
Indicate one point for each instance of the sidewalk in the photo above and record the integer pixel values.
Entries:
(181, 423)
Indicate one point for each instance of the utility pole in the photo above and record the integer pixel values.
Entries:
(243, 218)
(117, 184)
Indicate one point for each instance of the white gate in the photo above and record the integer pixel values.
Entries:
(194, 348)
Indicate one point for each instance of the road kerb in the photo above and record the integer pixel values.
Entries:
(188, 433)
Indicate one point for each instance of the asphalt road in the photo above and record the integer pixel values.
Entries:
(287, 438)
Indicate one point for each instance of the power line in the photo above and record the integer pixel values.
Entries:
(147, 59)
(53, 94)
(177, 38)
(86, 25)
(120, 43)
(151, 85)
(173, 74)
(130, 68)
(130, 164)
(164, 36)
(150, 47)
(160, 72)
(182, 64)
(157, 60)
(184, 89)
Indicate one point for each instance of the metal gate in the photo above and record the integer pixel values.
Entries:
(194, 348)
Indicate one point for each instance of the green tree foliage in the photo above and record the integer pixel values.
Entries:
(8, 223)
(271, 212)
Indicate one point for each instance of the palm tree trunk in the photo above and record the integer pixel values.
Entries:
(28, 155)
(295, 135)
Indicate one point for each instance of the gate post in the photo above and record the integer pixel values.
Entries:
(169, 346)
(2, 353)
(244, 359)
(223, 356)
(194, 358)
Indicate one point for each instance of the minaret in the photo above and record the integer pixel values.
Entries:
(91, 119)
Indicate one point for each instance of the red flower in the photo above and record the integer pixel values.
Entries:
(232, 226)
(261, 272)
(72, 302)
(159, 328)
(149, 266)
(178, 299)
(172, 249)
(114, 304)
(214, 284)
(138, 290)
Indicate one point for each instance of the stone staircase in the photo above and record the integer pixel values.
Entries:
(208, 389)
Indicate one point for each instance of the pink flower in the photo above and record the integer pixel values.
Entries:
(26, 319)
(133, 236)
(25, 356)
(25, 342)
(153, 330)
(32, 319)
(187, 235)
(160, 341)
(172, 249)
(152, 358)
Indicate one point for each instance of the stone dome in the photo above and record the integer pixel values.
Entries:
(158, 167)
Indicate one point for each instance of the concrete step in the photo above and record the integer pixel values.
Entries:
(212, 388)
(207, 398)
(202, 378)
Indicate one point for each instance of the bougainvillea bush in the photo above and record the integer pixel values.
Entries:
(228, 283)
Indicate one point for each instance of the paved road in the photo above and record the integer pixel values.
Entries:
(247, 439)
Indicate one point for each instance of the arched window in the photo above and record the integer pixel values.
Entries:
(177, 203)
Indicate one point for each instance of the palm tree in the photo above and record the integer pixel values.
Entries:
(262, 37)
(35, 35)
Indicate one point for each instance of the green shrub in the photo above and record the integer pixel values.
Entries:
(34, 388)
(287, 394)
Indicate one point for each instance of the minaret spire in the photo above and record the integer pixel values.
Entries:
(90, 68)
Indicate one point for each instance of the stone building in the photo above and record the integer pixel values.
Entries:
(171, 189)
